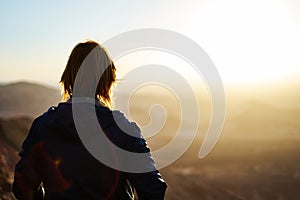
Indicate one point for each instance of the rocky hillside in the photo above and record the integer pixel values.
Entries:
(12, 133)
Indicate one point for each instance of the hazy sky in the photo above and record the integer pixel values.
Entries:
(255, 40)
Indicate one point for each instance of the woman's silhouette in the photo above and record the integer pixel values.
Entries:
(56, 165)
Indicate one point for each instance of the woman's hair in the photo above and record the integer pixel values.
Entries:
(78, 54)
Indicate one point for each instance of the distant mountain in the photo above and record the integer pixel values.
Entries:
(26, 98)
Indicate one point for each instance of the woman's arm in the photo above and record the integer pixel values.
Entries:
(26, 180)
(149, 185)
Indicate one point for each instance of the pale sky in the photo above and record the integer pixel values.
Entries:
(249, 41)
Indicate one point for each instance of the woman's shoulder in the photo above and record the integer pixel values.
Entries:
(126, 125)
(62, 110)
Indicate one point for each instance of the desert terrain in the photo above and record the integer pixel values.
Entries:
(256, 157)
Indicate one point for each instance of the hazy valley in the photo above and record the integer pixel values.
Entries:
(256, 157)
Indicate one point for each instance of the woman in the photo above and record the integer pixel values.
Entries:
(54, 162)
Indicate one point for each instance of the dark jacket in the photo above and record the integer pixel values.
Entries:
(54, 156)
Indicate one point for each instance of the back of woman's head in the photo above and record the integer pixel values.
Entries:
(78, 54)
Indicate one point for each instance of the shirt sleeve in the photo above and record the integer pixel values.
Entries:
(26, 180)
(149, 185)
